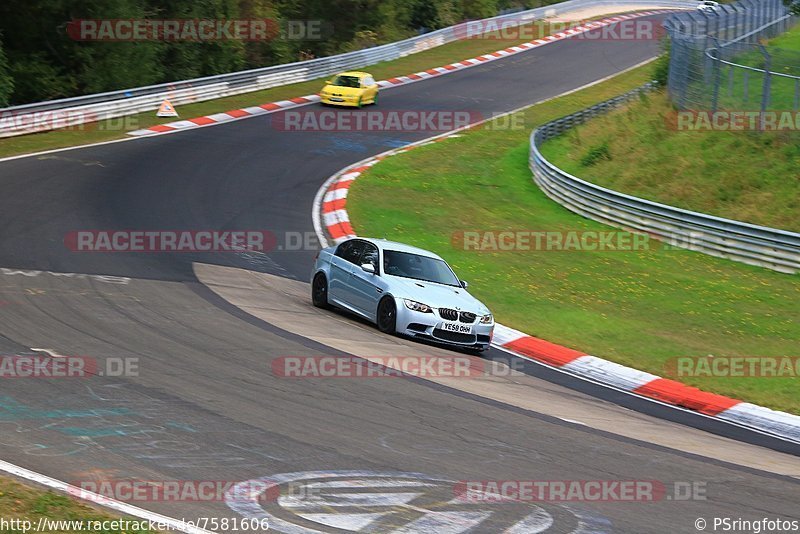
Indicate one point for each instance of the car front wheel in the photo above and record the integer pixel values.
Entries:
(387, 316)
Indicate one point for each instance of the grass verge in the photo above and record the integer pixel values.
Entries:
(639, 308)
(743, 89)
(746, 176)
(25, 503)
(117, 128)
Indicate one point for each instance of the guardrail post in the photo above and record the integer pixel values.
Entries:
(730, 81)
(796, 94)
(765, 90)
(717, 78)
(746, 86)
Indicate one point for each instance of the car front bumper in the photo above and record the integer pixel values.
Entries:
(428, 326)
(350, 101)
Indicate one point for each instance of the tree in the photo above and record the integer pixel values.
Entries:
(6, 82)
(478, 9)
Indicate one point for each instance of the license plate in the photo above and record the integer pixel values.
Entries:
(457, 327)
(337, 99)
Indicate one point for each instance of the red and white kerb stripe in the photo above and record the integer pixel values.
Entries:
(271, 107)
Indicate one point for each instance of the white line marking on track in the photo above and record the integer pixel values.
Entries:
(121, 507)
(49, 352)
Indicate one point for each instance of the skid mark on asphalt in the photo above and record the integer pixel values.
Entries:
(77, 276)
(84, 162)
(58, 292)
(358, 143)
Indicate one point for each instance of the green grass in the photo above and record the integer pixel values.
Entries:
(787, 41)
(117, 128)
(747, 176)
(785, 59)
(638, 308)
(21, 502)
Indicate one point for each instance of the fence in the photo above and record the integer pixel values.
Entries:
(718, 62)
(775, 249)
(39, 116)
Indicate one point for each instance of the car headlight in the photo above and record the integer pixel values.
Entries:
(487, 319)
(417, 306)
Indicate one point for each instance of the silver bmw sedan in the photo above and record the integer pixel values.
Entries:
(402, 289)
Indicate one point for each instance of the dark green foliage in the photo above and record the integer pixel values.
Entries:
(661, 67)
(596, 153)
(39, 60)
(6, 82)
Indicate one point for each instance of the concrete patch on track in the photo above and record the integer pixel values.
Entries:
(286, 305)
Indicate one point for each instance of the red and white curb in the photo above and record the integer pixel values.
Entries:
(272, 107)
(331, 220)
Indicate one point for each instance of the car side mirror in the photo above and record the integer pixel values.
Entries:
(368, 268)
(464, 284)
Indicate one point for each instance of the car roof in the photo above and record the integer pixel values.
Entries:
(384, 244)
(356, 73)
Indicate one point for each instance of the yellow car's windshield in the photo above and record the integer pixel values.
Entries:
(346, 81)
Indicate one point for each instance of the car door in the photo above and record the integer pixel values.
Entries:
(367, 288)
(344, 260)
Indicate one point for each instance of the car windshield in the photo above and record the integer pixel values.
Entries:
(407, 265)
(346, 81)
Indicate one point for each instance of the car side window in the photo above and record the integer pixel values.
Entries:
(370, 255)
(350, 251)
(369, 81)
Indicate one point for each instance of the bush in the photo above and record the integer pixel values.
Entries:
(6, 82)
(661, 67)
(597, 153)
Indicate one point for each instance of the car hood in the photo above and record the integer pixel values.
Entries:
(344, 91)
(436, 295)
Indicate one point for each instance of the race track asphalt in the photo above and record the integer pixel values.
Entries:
(207, 406)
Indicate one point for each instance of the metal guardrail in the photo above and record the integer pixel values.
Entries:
(772, 248)
(29, 118)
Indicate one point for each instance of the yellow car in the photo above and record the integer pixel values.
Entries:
(350, 89)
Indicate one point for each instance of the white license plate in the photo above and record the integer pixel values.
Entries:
(337, 99)
(457, 327)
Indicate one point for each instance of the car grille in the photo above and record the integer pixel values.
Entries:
(467, 317)
(455, 337)
(450, 314)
